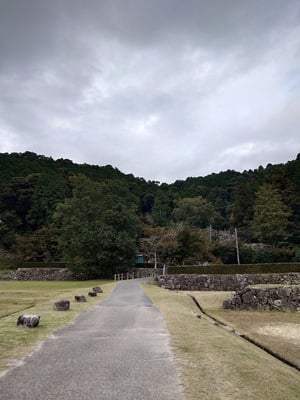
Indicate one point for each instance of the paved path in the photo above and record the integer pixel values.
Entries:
(116, 351)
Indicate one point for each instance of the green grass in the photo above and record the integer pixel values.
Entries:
(278, 331)
(216, 364)
(37, 297)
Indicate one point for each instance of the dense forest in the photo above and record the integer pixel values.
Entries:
(97, 218)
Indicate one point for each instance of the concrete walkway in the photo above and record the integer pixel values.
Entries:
(115, 351)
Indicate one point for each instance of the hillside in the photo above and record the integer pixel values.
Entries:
(33, 185)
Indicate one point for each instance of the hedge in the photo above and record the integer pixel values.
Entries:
(7, 263)
(43, 265)
(235, 269)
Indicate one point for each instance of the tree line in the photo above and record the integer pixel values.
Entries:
(97, 218)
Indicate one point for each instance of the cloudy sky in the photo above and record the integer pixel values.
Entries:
(163, 89)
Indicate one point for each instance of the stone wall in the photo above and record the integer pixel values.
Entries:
(145, 272)
(273, 298)
(7, 276)
(225, 282)
(42, 274)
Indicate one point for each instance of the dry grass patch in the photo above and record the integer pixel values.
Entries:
(278, 331)
(215, 363)
(16, 297)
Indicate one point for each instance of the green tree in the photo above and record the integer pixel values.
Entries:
(163, 208)
(98, 232)
(27, 204)
(39, 246)
(271, 216)
(195, 212)
(191, 244)
(242, 209)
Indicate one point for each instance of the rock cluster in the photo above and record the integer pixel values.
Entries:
(61, 305)
(282, 298)
(224, 282)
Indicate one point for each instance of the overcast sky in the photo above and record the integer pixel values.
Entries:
(163, 89)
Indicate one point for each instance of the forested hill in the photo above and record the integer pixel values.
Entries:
(33, 187)
(23, 164)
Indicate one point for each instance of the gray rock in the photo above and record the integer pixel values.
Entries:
(80, 299)
(97, 289)
(62, 305)
(277, 303)
(92, 294)
(28, 320)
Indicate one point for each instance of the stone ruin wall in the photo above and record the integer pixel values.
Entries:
(64, 274)
(146, 272)
(284, 296)
(42, 274)
(225, 282)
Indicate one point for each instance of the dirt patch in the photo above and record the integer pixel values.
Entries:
(287, 331)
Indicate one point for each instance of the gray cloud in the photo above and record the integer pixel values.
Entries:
(163, 89)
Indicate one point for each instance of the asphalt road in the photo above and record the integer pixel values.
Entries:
(116, 351)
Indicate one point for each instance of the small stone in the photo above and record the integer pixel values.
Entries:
(28, 320)
(97, 289)
(277, 303)
(80, 299)
(92, 294)
(61, 305)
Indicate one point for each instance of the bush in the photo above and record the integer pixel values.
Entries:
(9, 263)
(227, 253)
(270, 255)
(297, 254)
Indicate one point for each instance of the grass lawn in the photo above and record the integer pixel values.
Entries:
(215, 363)
(278, 331)
(37, 297)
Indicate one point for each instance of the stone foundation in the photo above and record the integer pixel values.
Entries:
(225, 282)
(273, 298)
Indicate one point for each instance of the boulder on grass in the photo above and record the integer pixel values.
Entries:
(92, 294)
(97, 289)
(28, 320)
(80, 299)
(61, 305)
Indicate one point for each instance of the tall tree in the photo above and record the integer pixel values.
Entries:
(39, 246)
(195, 212)
(162, 208)
(98, 232)
(271, 216)
(242, 208)
(192, 244)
